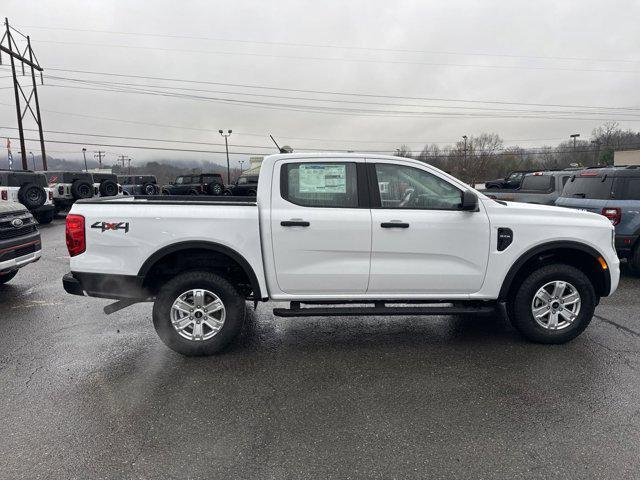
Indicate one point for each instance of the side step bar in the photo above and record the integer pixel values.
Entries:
(381, 309)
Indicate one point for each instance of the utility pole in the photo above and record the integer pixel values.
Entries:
(129, 163)
(11, 48)
(123, 158)
(226, 145)
(84, 154)
(596, 151)
(574, 136)
(33, 161)
(99, 154)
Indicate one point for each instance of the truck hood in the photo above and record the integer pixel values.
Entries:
(549, 211)
(11, 208)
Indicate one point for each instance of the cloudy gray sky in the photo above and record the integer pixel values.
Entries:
(419, 69)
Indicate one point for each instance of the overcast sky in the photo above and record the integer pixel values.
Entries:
(554, 53)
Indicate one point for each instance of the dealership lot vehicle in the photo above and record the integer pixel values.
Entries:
(29, 189)
(19, 240)
(614, 193)
(67, 187)
(139, 184)
(203, 184)
(105, 185)
(512, 180)
(244, 186)
(542, 188)
(414, 235)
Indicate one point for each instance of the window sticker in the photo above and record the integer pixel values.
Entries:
(323, 178)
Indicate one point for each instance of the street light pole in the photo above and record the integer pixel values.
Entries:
(84, 154)
(33, 160)
(241, 163)
(574, 136)
(226, 146)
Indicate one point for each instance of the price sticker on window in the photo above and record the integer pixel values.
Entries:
(316, 178)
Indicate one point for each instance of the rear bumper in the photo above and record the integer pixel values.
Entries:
(19, 252)
(625, 244)
(118, 287)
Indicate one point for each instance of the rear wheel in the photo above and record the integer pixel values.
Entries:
(5, 277)
(198, 313)
(554, 304)
(32, 196)
(634, 261)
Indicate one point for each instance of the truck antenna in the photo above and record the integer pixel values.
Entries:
(277, 146)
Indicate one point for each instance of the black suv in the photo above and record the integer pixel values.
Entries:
(30, 189)
(203, 184)
(245, 186)
(513, 180)
(139, 184)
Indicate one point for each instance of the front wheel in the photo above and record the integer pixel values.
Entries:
(554, 304)
(44, 218)
(198, 313)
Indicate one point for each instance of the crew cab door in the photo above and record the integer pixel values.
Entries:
(320, 226)
(422, 243)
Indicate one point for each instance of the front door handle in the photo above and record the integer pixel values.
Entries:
(394, 225)
(294, 223)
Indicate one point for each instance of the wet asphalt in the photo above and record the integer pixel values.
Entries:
(84, 395)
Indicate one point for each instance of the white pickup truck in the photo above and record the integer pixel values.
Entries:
(341, 234)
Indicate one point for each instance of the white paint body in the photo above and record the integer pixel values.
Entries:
(344, 254)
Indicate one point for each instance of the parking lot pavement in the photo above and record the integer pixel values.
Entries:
(86, 395)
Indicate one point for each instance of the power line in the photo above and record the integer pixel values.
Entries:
(334, 46)
(339, 59)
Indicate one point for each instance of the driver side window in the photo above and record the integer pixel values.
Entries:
(401, 186)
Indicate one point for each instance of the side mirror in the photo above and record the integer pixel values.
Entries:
(469, 201)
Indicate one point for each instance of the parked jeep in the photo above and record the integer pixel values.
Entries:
(203, 184)
(139, 184)
(105, 185)
(19, 240)
(67, 187)
(513, 180)
(614, 193)
(30, 189)
(244, 186)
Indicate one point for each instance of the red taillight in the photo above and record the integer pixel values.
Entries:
(50, 195)
(613, 214)
(5, 195)
(76, 243)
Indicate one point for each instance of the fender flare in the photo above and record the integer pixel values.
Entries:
(545, 247)
(203, 245)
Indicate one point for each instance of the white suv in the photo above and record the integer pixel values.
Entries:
(67, 187)
(29, 189)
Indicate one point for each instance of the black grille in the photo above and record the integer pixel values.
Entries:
(13, 232)
(19, 252)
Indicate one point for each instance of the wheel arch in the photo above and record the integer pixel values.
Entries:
(220, 252)
(570, 252)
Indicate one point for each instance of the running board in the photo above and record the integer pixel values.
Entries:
(296, 311)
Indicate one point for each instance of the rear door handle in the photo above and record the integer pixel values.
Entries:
(294, 223)
(394, 225)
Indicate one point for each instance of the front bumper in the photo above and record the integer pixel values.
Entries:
(19, 252)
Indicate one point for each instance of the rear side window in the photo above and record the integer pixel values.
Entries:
(541, 183)
(595, 188)
(210, 178)
(632, 192)
(320, 184)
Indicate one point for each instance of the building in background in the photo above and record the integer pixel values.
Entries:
(626, 157)
(254, 166)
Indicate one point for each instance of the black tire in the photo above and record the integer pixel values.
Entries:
(166, 192)
(215, 189)
(108, 188)
(251, 193)
(227, 193)
(44, 218)
(5, 277)
(150, 189)
(193, 192)
(81, 189)
(521, 307)
(32, 196)
(233, 302)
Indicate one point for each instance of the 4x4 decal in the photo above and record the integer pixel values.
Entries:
(104, 226)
